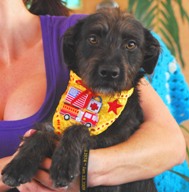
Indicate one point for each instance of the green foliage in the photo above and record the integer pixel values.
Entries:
(159, 16)
(181, 175)
(187, 151)
(184, 128)
(187, 131)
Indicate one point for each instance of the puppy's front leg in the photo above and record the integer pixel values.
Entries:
(33, 150)
(66, 159)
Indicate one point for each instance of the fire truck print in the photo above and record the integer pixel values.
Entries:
(82, 106)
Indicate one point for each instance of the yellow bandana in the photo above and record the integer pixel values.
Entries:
(79, 105)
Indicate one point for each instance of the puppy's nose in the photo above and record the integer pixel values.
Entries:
(111, 72)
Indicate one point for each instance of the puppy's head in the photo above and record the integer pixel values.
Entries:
(109, 49)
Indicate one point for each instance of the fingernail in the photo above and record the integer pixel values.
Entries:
(31, 131)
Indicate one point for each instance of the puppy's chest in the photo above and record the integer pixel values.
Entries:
(80, 105)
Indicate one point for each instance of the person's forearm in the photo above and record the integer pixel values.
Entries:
(143, 156)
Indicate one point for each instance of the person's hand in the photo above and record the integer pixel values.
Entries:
(34, 186)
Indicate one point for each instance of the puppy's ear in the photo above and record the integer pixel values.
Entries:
(151, 53)
(69, 44)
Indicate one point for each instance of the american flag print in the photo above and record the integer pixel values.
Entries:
(72, 94)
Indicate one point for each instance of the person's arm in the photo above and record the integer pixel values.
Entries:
(157, 146)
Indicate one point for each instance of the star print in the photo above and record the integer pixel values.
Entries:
(113, 106)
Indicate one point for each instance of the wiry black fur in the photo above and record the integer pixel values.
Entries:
(110, 51)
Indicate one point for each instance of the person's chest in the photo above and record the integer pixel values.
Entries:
(22, 86)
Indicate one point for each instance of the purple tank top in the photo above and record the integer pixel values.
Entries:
(53, 28)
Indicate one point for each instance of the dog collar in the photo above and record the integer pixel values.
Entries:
(80, 105)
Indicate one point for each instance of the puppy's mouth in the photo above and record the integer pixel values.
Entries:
(104, 87)
(105, 80)
(108, 86)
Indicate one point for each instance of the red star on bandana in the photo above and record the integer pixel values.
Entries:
(113, 106)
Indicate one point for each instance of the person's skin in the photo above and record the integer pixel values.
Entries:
(155, 147)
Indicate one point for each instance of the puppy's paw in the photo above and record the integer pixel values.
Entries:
(66, 159)
(65, 167)
(17, 172)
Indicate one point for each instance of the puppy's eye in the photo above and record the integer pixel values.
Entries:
(130, 45)
(93, 39)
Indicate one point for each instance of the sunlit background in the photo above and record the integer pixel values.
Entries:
(73, 4)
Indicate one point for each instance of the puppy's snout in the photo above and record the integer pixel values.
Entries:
(109, 72)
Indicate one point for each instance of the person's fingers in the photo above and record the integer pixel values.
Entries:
(29, 132)
(33, 186)
(42, 174)
(74, 186)
(46, 164)
(44, 179)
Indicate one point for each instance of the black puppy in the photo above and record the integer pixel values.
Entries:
(110, 51)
